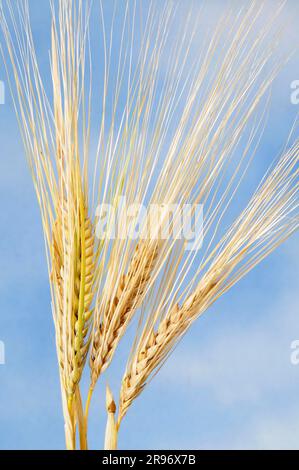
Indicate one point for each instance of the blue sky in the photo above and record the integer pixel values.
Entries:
(229, 384)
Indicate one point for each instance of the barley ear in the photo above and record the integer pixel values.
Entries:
(120, 309)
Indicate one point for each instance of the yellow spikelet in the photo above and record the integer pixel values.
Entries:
(81, 301)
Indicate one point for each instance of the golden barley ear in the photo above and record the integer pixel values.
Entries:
(271, 216)
(81, 320)
(120, 309)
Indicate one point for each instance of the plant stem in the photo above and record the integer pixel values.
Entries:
(111, 435)
(86, 414)
(81, 421)
(71, 441)
(70, 432)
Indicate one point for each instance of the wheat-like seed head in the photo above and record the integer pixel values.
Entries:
(73, 340)
(122, 294)
(120, 309)
(52, 134)
(197, 159)
(270, 217)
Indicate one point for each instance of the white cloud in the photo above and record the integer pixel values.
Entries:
(267, 432)
(242, 364)
(244, 375)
